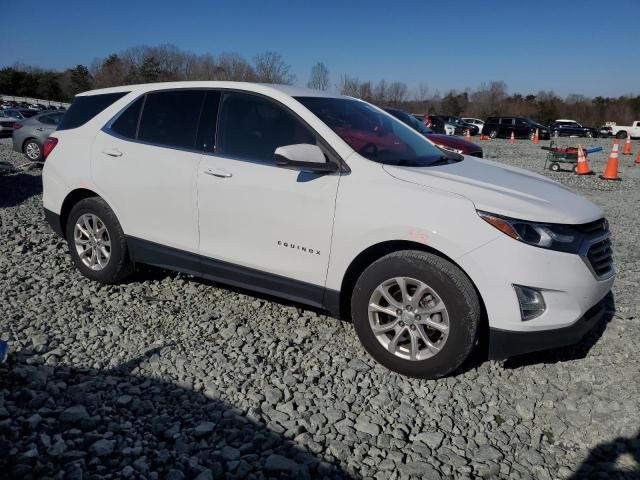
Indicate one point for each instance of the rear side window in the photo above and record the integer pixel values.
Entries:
(127, 123)
(171, 118)
(86, 107)
(492, 120)
(53, 119)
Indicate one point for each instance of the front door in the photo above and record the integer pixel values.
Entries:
(260, 225)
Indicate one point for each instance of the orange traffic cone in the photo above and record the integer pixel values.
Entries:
(484, 137)
(627, 146)
(536, 138)
(611, 170)
(467, 135)
(583, 167)
(638, 158)
(512, 140)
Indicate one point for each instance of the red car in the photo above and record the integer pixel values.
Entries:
(446, 142)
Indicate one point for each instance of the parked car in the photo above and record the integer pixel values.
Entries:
(571, 128)
(461, 125)
(621, 131)
(474, 121)
(439, 125)
(330, 201)
(521, 127)
(446, 142)
(29, 135)
(8, 119)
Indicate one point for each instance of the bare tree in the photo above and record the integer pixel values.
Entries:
(319, 78)
(421, 93)
(271, 68)
(397, 92)
(232, 66)
(349, 86)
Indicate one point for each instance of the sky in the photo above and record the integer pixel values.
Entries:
(590, 47)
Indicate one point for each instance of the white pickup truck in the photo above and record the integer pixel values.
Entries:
(621, 131)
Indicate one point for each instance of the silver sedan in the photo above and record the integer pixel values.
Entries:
(29, 134)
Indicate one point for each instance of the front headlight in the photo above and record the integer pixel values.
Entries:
(563, 238)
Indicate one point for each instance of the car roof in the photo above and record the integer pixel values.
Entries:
(264, 88)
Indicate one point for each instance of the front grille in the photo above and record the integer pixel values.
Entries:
(597, 227)
(600, 256)
(597, 252)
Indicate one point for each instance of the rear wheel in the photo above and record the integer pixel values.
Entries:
(493, 133)
(416, 313)
(97, 243)
(621, 134)
(554, 167)
(32, 151)
(556, 134)
(589, 134)
(532, 134)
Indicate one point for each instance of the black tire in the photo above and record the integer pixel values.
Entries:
(621, 134)
(119, 266)
(554, 167)
(532, 134)
(32, 150)
(556, 134)
(493, 134)
(449, 282)
(589, 134)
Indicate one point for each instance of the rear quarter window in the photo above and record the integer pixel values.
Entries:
(85, 107)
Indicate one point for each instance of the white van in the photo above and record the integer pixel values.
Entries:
(328, 201)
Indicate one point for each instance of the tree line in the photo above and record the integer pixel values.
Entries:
(146, 64)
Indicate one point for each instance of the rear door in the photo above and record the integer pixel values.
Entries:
(506, 127)
(146, 161)
(260, 224)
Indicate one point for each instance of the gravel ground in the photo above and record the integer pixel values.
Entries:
(168, 376)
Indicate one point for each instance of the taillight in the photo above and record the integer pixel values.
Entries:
(49, 144)
(17, 126)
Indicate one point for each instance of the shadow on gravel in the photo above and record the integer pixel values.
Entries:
(18, 187)
(619, 459)
(565, 354)
(62, 422)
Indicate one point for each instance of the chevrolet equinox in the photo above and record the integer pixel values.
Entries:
(328, 201)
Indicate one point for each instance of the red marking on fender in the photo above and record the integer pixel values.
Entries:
(84, 184)
(419, 236)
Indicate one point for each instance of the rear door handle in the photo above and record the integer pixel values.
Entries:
(218, 172)
(112, 152)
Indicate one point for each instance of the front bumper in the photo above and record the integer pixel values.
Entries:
(505, 343)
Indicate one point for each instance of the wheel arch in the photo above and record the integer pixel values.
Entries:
(70, 200)
(379, 250)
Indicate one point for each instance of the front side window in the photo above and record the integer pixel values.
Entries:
(506, 121)
(171, 118)
(373, 134)
(251, 128)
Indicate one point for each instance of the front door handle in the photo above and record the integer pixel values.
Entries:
(218, 172)
(112, 152)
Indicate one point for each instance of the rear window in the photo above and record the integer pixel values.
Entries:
(84, 108)
(127, 123)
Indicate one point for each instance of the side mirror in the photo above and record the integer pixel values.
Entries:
(303, 156)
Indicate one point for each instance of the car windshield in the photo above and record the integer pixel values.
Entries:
(410, 120)
(374, 134)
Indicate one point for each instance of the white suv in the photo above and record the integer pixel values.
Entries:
(328, 201)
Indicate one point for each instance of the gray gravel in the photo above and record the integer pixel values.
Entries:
(168, 376)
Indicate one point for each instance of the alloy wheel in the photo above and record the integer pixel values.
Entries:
(92, 241)
(32, 151)
(408, 318)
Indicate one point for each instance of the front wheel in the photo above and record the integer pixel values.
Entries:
(493, 134)
(589, 134)
(416, 313)
(556, 134)
(97, 243)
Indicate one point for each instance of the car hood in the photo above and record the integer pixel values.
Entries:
(453, 142)
(504, 190)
